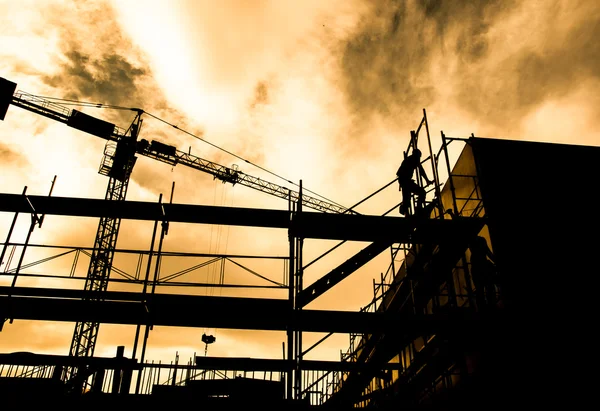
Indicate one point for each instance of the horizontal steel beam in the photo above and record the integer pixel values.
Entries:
(28, 358)
(143, 210)
(115, 307)
(268, 364)
(329, 226)
(202, 363)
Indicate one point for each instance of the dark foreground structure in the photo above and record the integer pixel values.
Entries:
(503, 351)
(479, 309)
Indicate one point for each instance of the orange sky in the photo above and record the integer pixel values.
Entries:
(323, 92)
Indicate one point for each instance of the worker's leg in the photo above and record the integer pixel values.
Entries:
(420, 192)
(409, 188)
(405, 206)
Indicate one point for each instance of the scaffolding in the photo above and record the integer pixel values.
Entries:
(423, 279)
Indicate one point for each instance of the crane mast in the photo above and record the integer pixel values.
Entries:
(117, 163)
(85, 333)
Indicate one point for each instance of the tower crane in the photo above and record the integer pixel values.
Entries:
(122, 145)
(117, 164)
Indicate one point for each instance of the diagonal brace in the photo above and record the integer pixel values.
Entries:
(336, 275)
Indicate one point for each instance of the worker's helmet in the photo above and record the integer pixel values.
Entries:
(417, 152)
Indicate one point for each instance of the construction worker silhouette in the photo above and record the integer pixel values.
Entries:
(407, 185)
(483, 272)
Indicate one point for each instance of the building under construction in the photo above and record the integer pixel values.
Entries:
(474, 312)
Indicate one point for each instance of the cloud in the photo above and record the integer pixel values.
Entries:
(108, 77)
(8, 155)
(495, 62)
(93, 60)
(559, 54)
(261, 94)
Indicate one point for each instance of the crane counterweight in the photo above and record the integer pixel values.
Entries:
(7, 89)
(90, 124)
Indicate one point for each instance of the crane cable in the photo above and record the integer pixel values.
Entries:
(114, 107)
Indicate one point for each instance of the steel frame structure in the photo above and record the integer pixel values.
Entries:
(343, 224)
(118, 163)
(300, 225)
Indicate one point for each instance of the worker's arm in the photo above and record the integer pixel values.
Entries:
(424, 174)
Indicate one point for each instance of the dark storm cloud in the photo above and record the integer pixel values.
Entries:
(550, 71)
(98, 63)
(387, 64)
(108, 78)
(379, 67)
(444, 14)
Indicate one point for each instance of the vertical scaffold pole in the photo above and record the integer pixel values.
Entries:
(434, 168)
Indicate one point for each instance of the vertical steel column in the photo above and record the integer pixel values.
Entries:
(165, 231)
(149, 326)
(456, 213)
(116, 382)
(145, 300)
(118, 372)
(290, 330)
(9, 235)
(298, 308)
(6, 315)
(410, 208)
(35, 219)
